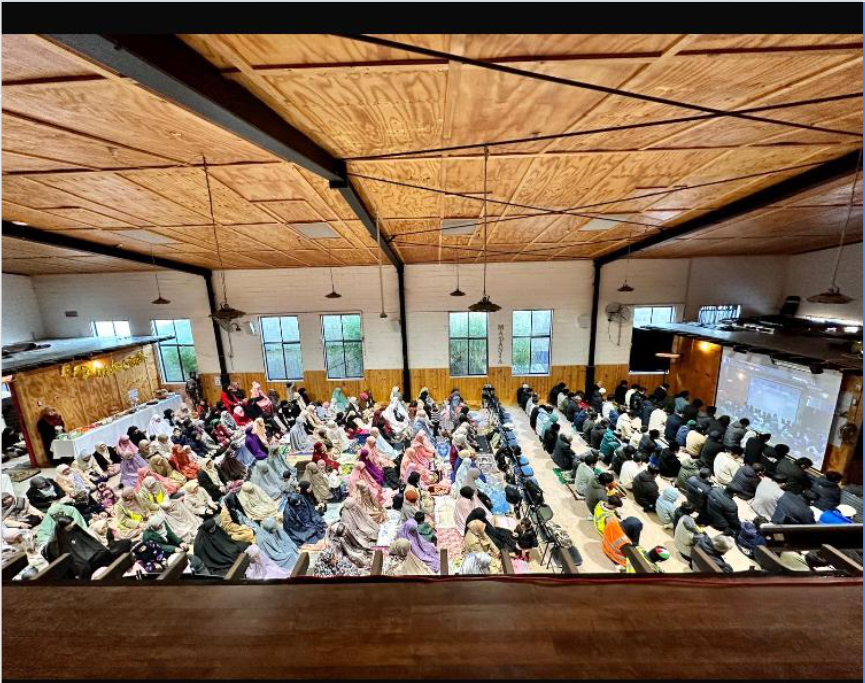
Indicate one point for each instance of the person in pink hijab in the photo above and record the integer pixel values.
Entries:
(130, 461)
(414, 460)
(362, 473)
(424, 446)
(257, 396)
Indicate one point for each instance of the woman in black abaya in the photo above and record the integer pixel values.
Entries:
(88, 554)
(214, 547)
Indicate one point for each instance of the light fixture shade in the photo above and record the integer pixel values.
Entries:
(226, 313)
(382, 315)
(161, 301)
(333, 295)
(458, 292)
(625, 288)
(831, 296)
(485, 306)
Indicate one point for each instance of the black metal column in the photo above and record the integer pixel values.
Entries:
(403, 330)
(593, 327)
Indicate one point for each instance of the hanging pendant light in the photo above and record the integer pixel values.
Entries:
(159, 300)
(333, 293)
(485, 305)
(380, 269)
(833, 295)
(625, 286)
(225, 314)
(458, 291)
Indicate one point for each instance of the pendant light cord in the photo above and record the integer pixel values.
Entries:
(380, 270)
(155, 272)
(846, 221)
(486, 159)
(213, 223)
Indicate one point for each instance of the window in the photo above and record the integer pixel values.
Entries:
(177, 355)
(468, 344)
(531, 342)
(709, 315)
(111, 328)
(343, 346)
(280, 338)
(653, 315)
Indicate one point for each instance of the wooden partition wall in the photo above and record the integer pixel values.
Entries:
(81, 401)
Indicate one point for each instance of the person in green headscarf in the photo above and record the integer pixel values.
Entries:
(338, 400)
(45, 530)
(609, 443)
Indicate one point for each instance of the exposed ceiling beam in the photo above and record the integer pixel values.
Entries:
(810, 179)
(65, 241)
(172, 70)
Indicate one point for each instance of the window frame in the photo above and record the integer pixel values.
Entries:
(93, 329)
(342, 341)
(716, 308)
(282, 344)
(531, 337)
(162, 346)
(467, 339)
(673, 307)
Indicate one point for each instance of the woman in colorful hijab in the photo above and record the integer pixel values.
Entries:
(347, 546)
(318, 482)
(210, 480)
(425, 551)
(257, 505)
(128, 514)
(266, 479)
(338, 400)
(180, 518)
(240, 418)
(361, 473)
(415, 461)
(277, 462)
(198, 500)
(231, 466)
(43, 492)
(401, 561)
(477, 541)
(170, 486)
(299, 439)
(466, 503)
(151, 492)
(366, 500)
(161, 534)
(215, 548)
(330, 563)
(262, 568)
(233, 520)
(370, 460)
(359, 522)
(494, 493)
(382, 444)
(159, 466)
(85, 465)
(320, 456)
(72, 481)
(258, 397)
(301, 520)
(254, 444)
(130, 461)
(277, 544)
(158, 426)
(338, 437)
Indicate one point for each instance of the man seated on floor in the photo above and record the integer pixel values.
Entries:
(645, 488)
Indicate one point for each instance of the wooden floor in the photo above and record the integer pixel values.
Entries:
(604, 627)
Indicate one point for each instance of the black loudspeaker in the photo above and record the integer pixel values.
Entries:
(791, 306)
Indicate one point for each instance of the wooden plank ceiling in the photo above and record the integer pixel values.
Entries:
(91, 154)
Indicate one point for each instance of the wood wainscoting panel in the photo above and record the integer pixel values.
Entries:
(81, 401)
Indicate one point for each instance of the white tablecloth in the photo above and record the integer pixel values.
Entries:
(111, 433)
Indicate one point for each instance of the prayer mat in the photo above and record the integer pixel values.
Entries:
(444, 512)
(388, 530)
(19, 475)
(452, 541)
(562, 477)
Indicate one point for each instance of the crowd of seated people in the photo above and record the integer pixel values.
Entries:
(658, 448)
(273, 477)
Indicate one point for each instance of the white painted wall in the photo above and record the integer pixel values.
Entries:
(564, 287)
(21, 317)
(126, 296)
(302, 292)
(754, 282)
(811, 274)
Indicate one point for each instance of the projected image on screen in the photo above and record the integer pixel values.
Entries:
(795, 406)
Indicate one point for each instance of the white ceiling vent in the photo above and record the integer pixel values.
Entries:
(601, 224)
(146, 236)
(459, 226)
(316, 231)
